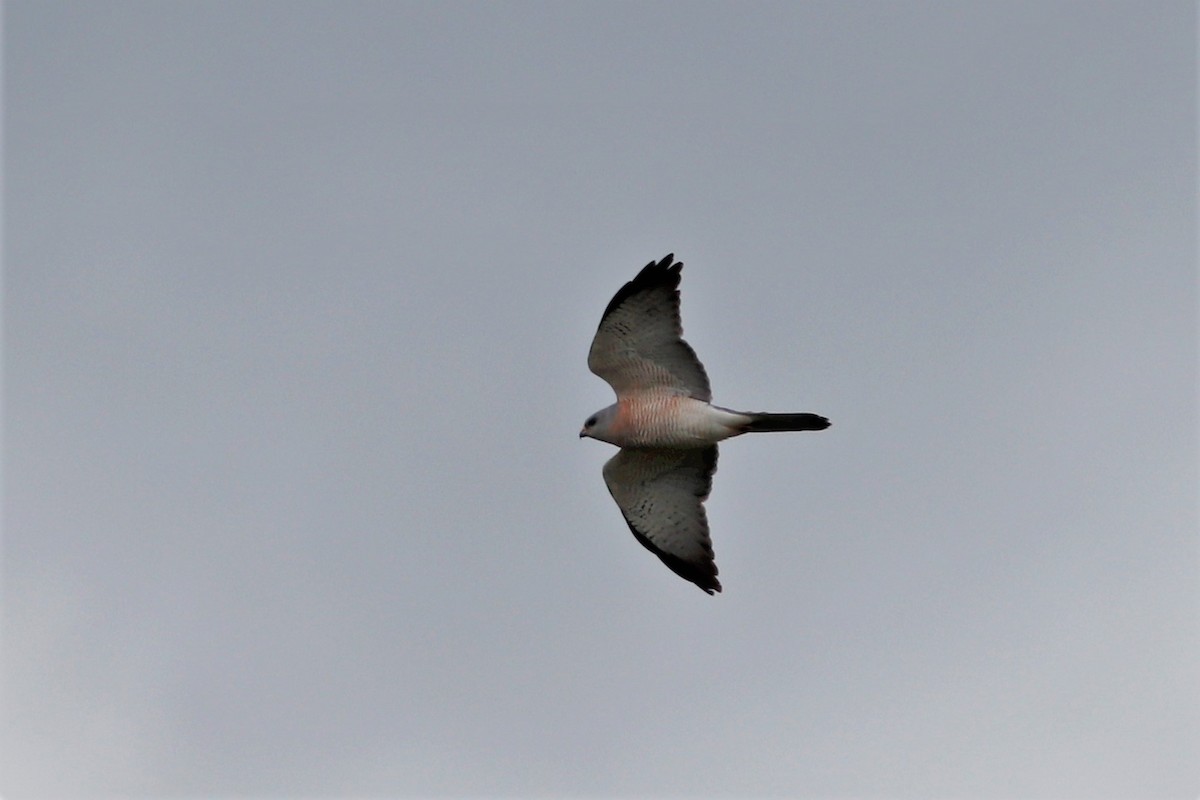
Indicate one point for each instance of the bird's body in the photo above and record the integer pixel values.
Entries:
(666, 419)
(665, 423)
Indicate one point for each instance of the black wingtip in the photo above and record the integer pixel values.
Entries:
(703, 574)
(665, 272)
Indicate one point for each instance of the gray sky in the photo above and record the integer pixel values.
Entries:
(297, 299)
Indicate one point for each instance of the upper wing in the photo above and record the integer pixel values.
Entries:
(660, 494)
(638, 344)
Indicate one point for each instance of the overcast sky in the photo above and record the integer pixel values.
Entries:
(297, 301)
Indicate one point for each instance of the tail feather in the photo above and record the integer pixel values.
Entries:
(771, 423)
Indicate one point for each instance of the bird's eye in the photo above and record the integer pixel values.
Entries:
(590, 422)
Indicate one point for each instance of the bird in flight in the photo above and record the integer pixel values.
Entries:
(664, 422)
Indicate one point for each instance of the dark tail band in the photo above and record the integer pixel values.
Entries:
(772, 423)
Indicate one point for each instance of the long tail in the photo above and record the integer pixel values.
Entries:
(770, 423)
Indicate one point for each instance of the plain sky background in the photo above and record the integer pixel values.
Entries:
(297, 300)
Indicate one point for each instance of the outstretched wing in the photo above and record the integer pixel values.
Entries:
(660, 494)
(638, 344)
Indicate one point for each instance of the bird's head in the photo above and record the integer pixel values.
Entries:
(599, 425)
